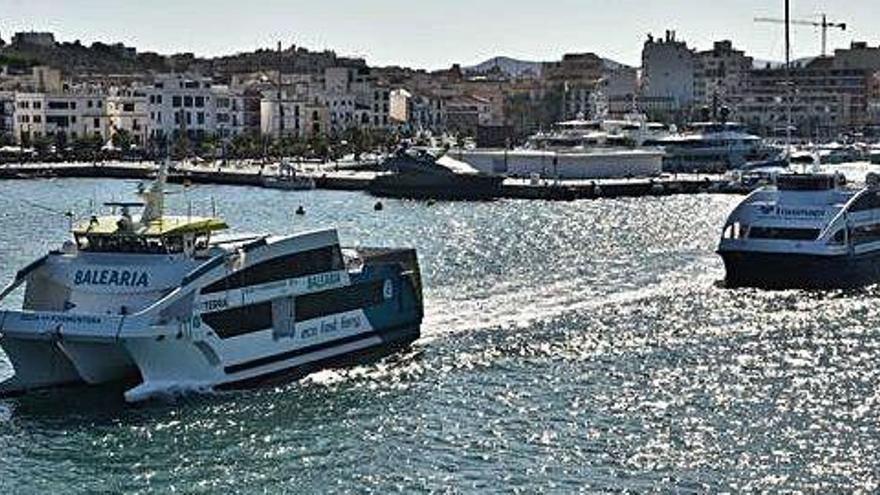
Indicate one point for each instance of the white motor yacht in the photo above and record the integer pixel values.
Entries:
(577, 149)
(714, 147)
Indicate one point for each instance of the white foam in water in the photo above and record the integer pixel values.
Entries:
(522, 306)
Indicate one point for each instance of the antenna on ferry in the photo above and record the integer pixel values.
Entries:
(154, 198)
(788, 80)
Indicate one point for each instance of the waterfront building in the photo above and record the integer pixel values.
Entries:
(77, 113)
(128, 114)
(181, 104)
(289, 115)
(338, 92)
(668, 70)
(824, 101)
(577, 77)
(417, 112)
(229, 109)
(620, 86)
(466, 113)
(7, 115)
(720, 74)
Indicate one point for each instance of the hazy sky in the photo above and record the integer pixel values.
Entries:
(434, 34)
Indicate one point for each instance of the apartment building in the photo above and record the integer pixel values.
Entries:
(339, 95)
(290, 115)
(720, 74)
(7, 115)
(230, 109)
(577, 76)
(181, 104)
(128, 111)
(417, 112)
(824, 99)
(69, 115)
(668, 71)
(465, 114)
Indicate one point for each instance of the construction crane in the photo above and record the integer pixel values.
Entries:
(824, 24)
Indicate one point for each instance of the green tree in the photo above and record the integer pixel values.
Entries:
(121, 140)
(41, 145)
(181, 146)
(319, 147)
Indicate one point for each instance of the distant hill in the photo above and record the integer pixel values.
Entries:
(76, 58)
(515, 67)
(100, 58)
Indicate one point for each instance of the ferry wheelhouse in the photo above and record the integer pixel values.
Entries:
(169, 304)
(808, 231)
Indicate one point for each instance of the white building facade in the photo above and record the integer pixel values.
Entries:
(668, 69)
(71, 115)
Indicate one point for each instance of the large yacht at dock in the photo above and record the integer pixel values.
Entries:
(166, 304)
(713, 147)
(578, 149)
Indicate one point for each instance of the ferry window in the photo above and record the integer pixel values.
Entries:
(174, 244)
(239, 321)
(295, 265)
(736, 231)
(318, 304)
(202, 242)
(787, 234)
(839, 238)
(867, 201)
(865, 234)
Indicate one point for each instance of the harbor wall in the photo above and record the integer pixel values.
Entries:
(348, 181)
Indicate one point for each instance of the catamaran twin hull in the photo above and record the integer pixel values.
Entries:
(268, 309)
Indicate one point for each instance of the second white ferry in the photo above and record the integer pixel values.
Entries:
(808, 231)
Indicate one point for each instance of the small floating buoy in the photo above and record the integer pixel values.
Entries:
(378, 206)
(300, 211)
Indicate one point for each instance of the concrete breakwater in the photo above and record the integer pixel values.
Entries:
(332, 178)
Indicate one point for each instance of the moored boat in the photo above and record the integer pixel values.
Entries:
(418, 174)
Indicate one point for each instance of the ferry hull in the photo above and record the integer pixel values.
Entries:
(781, 271)
(181, 345)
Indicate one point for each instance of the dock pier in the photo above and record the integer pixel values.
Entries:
(342, 180)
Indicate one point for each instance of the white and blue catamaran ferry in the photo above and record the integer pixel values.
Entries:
(808, 231)
(166, 303)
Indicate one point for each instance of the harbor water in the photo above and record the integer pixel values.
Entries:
(586, 345)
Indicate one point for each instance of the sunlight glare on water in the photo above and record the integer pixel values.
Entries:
(566, 346)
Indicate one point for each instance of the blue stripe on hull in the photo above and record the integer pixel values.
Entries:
(799, 271)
